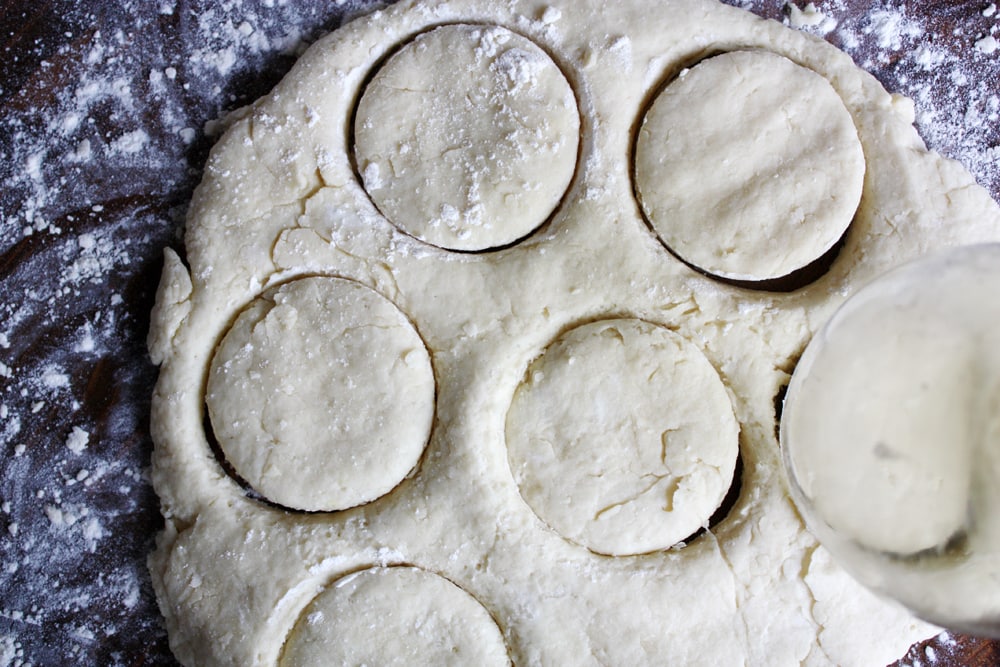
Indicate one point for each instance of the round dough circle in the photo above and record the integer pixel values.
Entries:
(748, 166)
(467, 137)
(321, 395)
(621, 437)
(394, 616)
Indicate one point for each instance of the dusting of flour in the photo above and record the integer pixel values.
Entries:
(947, 68)
(101, 130)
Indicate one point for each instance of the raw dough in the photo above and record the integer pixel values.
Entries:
(467, 137)
(621, 437)
(321, 395)
(282, 198)
(748, 166)
(394, 616)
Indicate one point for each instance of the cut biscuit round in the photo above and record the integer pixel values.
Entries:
(321, 395)
(621, 437)
(394, 616)
(467, 137)
(748, 166)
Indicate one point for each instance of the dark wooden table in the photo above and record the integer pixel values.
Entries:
(103, 110)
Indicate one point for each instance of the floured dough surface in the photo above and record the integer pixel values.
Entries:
(394, 616)
(467, 137)
(321, 395)
(289, 199)
(622, 438)
(749, 166)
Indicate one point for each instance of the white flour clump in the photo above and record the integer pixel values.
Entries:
(987, 45)
(77, 440)
(810, 17)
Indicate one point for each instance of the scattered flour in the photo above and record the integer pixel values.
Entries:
(945, 69)
(810, 17)
(97, 148)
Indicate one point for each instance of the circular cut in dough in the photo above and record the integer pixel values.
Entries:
(467, 137)
(749, 166)
(394, 616)
(621, 437)
(321, 395)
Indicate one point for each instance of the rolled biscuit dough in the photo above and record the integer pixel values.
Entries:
(622, 438)
(748, 166)
(467, 137)
(282, 198)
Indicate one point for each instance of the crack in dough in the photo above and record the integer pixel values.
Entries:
(585, 435)
(321, 395)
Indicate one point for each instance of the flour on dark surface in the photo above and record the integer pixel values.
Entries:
(101, 138)
(939, 67)
(102, 135)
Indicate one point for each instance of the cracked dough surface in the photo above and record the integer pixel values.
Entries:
(785, 162)
(321, 395)
(281, 199)
(621, 437)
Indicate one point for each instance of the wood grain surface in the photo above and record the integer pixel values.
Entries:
(103, 113)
